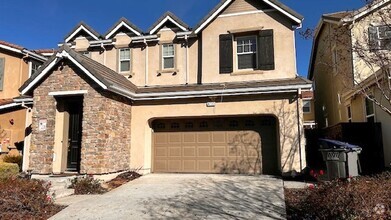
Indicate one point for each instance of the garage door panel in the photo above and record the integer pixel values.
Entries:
(175, 151)
(175, 138)
(203, 137)
(190, 165)
(189, 151)
(204, 166)
(219, 137)
(203, 151)
(230, 148)
(160, 138)
(175, 165)
(189, 138)
(161, 152)
(219, 151)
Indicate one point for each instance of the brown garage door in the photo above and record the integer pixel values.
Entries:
(220, 145)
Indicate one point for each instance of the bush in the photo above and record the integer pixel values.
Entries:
(26, 199)
(14, 159)
(8, 170)
(361, 198)
(87, 185)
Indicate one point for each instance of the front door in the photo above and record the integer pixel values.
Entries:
(75, 109)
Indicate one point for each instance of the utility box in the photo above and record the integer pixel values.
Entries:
(341, 159)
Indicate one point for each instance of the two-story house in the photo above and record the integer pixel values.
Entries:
(222, 97)
(17, 64)
(347, 50)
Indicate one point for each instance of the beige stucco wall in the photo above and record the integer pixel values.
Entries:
(282, 109)
(10, 134)
(284, 44)
(16, 72)
(332, 79)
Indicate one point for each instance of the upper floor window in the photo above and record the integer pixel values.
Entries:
(34, 67)
(380, 37)
(252, 51)
(370, 111)
(307, 106)
(124, 60)
(168, 56)
(247, 52)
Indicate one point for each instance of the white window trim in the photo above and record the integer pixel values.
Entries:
(170, 56)
(120, 60)
(236, 54)
(309, 101)
(366, 113)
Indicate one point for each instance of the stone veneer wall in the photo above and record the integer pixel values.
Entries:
(106, 121)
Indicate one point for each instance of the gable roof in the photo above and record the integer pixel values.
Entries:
(21, 50)
(105, 77)
(123, 22)
(368, 8)
(168, 16)
(81, 26)
(296, 17)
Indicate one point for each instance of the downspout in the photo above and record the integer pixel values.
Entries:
(187, 60)
(146, 62)
(299, 125)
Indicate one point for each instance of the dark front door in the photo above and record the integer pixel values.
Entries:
(75, 109)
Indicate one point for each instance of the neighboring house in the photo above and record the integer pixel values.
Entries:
(16, 65)
(222, 97)
(308, 109)
(340, 69)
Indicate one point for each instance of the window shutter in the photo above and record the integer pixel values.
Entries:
(372, 38)
(2, 65)
(266, 50)
(226, 53)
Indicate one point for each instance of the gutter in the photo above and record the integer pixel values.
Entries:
(208, 93)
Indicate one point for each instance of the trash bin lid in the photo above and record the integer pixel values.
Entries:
(333, 144)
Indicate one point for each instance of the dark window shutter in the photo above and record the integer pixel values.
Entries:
(226, 54)
(266, 50)
(2, 66)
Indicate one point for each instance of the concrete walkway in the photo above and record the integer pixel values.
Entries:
(186, 196)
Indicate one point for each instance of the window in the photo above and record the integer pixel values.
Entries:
(247, 52)
(233, 124)
(203, 124)
(370, 112)
(124, 60)
(349, 110)
(252, 52)
(34, 67)
(175, 125)
(307, 106)
(380, 37)
(168, 56)
(189, 125)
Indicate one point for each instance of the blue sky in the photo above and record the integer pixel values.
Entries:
(36, 24)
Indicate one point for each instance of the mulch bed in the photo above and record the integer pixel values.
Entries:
(361, 198)
(122, 179)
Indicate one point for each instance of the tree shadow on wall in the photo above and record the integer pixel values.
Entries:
(244, 154)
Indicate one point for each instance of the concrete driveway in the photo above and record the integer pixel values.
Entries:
(186, 196)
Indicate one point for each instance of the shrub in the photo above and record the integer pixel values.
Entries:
(87, 185)
(14, 159)
(25, 199)
(8, 170)
(361, 198)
